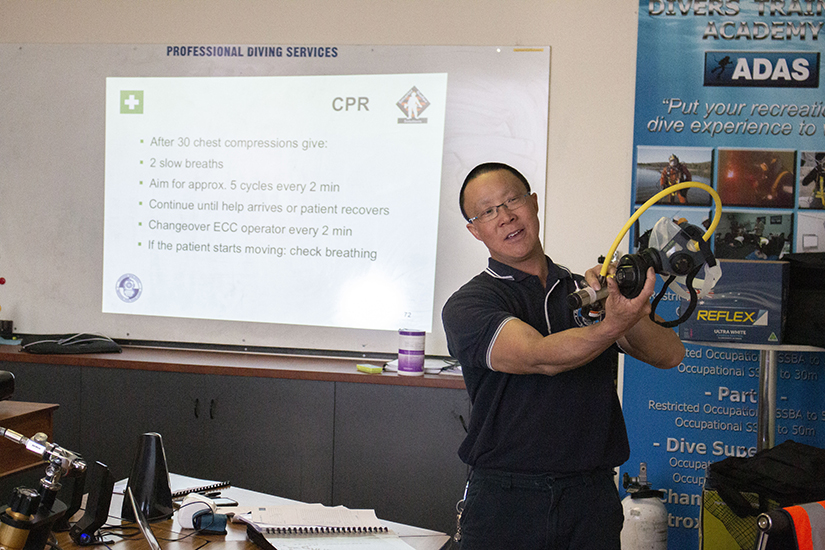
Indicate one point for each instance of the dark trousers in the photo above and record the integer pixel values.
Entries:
(523, 512)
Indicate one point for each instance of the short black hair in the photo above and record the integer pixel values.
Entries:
(483, 169)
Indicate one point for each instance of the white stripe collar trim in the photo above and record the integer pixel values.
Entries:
(497, 276)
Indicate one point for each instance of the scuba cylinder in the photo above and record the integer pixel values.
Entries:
(645, 516)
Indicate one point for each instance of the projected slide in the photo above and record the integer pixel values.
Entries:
(298, 200)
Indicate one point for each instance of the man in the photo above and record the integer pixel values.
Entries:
(546, 428)
(773, 184)
(817, 177)
(675, 172)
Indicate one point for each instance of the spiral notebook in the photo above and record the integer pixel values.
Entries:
(315, 519)
(217, 486)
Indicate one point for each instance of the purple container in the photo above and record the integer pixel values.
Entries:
(410, 352)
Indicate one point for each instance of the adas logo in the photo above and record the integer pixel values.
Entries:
(412, 105)
(128, 288)
(762, 69)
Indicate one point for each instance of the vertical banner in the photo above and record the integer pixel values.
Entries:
(729, 94)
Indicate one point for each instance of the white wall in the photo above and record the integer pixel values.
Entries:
(591, 85)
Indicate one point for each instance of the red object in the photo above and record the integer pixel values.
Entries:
(808, 524)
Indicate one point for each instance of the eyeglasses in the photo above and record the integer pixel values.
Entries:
(510, 204)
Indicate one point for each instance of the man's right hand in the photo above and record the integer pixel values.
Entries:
(621, 313)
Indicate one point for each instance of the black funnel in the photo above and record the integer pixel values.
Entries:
(149, 481)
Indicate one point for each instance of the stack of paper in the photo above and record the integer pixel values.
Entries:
(311, 518)
(315, 526)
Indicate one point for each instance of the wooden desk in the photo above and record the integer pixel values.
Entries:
(173, 537)
(26, 419)
(168, 539)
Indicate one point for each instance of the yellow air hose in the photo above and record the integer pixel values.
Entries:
(653, 200)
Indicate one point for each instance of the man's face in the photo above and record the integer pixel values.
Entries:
(513, 236)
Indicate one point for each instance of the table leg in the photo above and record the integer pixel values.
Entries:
(766, 409)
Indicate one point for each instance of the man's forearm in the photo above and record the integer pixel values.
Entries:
(653, 344)
(520, 349)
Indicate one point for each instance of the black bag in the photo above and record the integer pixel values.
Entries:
(805, 322)
(790, 473)
(69, 343)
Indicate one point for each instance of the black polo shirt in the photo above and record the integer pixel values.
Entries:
(562, 424)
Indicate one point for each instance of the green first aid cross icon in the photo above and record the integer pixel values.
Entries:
(131, 102)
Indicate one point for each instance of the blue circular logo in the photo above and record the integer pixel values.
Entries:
(129, 288)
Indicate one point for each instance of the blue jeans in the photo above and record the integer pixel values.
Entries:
(510, 511)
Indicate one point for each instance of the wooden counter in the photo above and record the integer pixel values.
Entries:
(295, 367)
